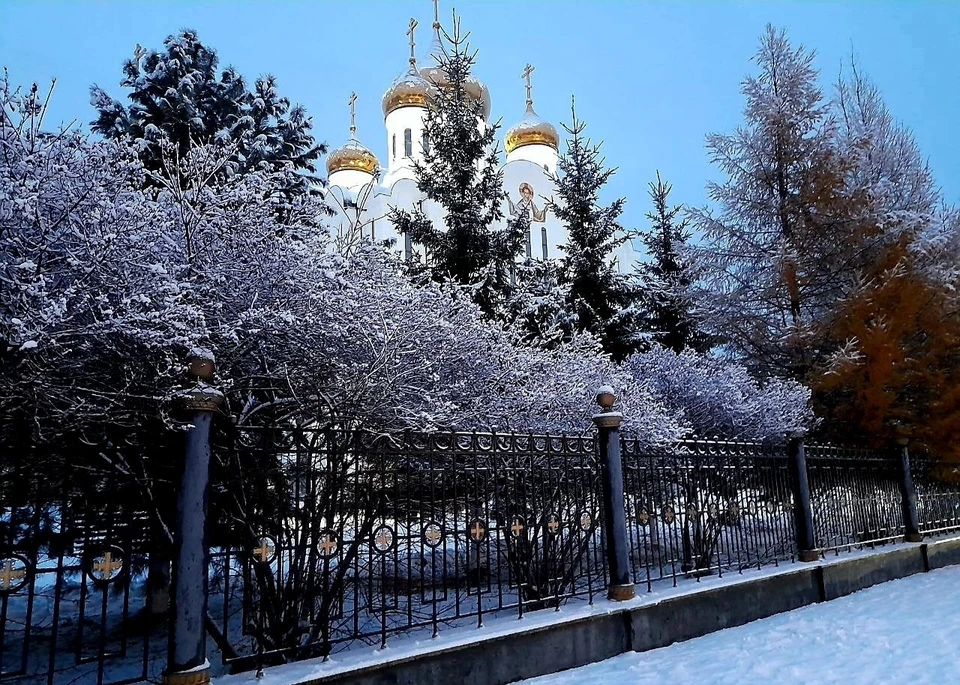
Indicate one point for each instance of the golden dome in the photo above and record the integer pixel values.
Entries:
(476, 90)
(408, 90)
(532, 130)
(352, 157)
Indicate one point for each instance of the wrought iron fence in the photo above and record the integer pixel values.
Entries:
(323, 539)
(369, 536)
(74, 589)
(855, 495)
(938, 495)
(706, 506)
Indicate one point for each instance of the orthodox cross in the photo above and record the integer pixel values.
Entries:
(413, 44)
(353, 114)
(526, 76)
(436, 15)
(9, 575)
(106, 567)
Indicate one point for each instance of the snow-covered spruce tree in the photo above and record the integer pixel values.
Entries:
(665, 279)
(780, 227)
(537, 311)
(461, 173)
(177, 93)
(599, 297)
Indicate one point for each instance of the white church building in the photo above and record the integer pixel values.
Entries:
(362, 189)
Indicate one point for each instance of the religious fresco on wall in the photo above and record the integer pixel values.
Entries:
(526, 205)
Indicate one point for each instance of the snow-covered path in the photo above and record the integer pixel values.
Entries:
(904, 631)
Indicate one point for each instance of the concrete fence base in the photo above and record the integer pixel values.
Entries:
(639, 625)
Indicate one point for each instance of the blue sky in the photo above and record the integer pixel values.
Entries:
(651, 78)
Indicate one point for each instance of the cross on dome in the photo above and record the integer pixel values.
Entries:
(353, 114)
(526, 76)
(413, 44)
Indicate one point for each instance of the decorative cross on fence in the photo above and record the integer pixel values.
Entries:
(432, 534)
(383, 539)
(263, 552)
(106, 566)
(517, 527)
(328, 544)
(10, 576)
(477, 531)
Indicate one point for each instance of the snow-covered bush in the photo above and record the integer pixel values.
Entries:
(720, 398)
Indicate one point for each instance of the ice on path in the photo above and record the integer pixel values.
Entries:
(904, 631)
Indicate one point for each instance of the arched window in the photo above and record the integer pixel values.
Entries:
(426, 143)
(407, 143)
(394, 146)
(543, 237)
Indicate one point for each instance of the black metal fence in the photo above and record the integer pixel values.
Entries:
(938, 496)
(322, 539)
(378, 536)
(75, 595)
(856, 497)
(706, 506)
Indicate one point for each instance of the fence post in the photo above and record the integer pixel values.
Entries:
(186, 655)
(614, 516)
(802, 508)
(908, 494)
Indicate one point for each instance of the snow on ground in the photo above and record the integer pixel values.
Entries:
(904, 631)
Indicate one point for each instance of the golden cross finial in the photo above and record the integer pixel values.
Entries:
(413, 44)
(436, 15)
(353, 114)
(526, 76)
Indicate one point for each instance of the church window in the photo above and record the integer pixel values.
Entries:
(394, 145)
(426, 143)
(407, 143)
(543, 237)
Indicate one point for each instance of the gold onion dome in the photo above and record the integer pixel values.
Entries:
(352, 157)
(408, 90)
(475, 88)
(532, 130)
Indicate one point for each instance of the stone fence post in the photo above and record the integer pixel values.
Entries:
(802, 508)
(614, 515)
(186, 656)
(908, 494)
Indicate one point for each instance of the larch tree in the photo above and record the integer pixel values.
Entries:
(600, 298)
(461, 173)
(665, 279)
(769, 245)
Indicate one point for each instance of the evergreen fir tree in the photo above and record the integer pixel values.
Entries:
(461, 173)
(177, 95)
(665, 279)
(600, 298)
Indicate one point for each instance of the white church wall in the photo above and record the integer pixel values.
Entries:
(399, 163)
